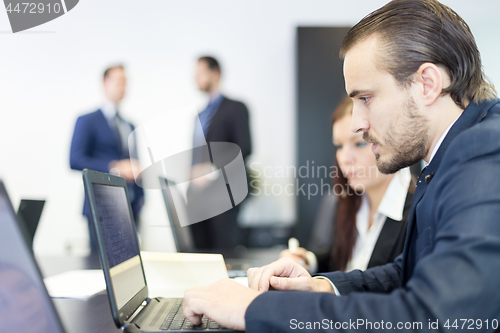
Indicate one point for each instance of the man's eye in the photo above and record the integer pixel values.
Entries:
(365, 99)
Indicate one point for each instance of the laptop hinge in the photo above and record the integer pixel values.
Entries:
(129, 321)
(125, 325)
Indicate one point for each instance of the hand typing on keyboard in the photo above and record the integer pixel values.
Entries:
(224, 301)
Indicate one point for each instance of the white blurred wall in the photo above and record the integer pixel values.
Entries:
(52, 73)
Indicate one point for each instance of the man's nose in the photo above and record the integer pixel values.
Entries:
(359, 123)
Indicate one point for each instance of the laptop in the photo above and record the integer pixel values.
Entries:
(132, 308)
(30, 211)
(25, 305)
(182, 235)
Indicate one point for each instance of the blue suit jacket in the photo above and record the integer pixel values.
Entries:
(450, 265)
(94, 146)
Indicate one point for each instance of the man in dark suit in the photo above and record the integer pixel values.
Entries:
(100, 142)
(414, 72)
(223, 120)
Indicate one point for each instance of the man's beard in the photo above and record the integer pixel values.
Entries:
(208, 87)
(408, 140)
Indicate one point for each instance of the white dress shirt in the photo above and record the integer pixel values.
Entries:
(392, 206)
(109, 110)
(439, 142)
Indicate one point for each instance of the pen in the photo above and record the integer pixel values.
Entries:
(293, 245)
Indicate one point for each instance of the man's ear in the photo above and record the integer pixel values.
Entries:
(216, 75)
(430, 77)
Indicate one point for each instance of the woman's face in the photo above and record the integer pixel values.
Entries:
(356, 160)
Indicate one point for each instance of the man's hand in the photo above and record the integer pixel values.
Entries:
(202, 174)
(125, 168)
(285, 274)
(299, 256)
(224, 301)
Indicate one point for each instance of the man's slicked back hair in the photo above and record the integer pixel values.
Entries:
(413, 32)
(109, 69)
(212, 63)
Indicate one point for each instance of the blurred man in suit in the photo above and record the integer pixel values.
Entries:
(100, 142)
(223, 120)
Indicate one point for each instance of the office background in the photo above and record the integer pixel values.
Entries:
(51, 74)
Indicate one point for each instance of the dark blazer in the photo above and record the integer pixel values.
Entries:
(450, 266)
(94, 146)
(230, 123)
(389, 244)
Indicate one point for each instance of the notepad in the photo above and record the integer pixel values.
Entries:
(80, 284)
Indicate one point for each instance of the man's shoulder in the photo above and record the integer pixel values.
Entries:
(234, 110)
(92, 115)
(481, 139)
(233, 103)
(488, 126)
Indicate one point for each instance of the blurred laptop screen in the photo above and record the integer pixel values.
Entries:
(120, 242)
(25, 305)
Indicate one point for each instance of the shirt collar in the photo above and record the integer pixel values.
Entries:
(439, 142)
(215, 96)
(393, 201)
(108, 109)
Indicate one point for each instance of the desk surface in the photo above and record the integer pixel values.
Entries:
(94, 314)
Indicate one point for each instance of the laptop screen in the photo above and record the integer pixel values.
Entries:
(30, 211)
(182, 235)
(119, 241)
(25, 305)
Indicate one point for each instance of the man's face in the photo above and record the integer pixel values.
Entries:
(115, 84)
(388, 115)
(205, 77)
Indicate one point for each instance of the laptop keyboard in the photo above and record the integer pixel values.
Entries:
(176, 321)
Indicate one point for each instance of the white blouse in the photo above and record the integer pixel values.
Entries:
(392, 206)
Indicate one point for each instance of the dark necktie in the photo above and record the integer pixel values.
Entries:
(117, 124)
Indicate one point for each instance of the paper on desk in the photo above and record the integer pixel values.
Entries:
(170, 274)
(241, 280)
(76, 284)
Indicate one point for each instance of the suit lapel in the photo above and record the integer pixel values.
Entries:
(473, 114)
(386, 242)
(389, 237)
(419, 193)
(111, 132)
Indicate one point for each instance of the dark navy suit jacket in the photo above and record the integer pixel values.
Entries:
(450, 265)
(94, 146)
(230, 123)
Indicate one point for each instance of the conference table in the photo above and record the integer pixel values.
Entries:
(94, 314)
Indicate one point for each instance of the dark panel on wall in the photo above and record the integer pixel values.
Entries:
(320, 87)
